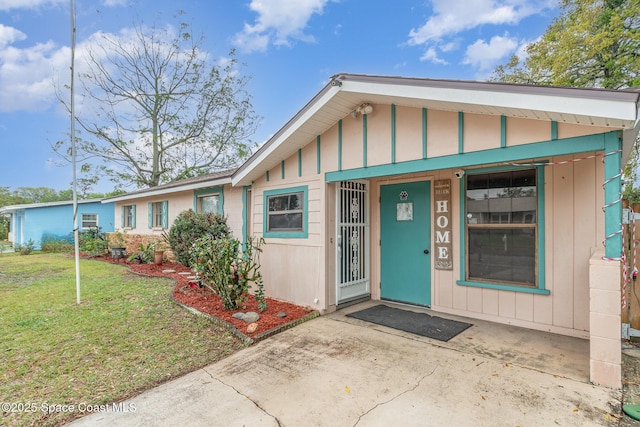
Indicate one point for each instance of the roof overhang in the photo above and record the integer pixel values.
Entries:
(169, 189)
(15, 208)
(596, 107)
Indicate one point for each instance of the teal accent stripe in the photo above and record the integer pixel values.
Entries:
(299, 161)
(503, 131)
(318, 154)
(581, 144)
(554, 130)
(339, 145)
(541, 276)
(393, 133)
(424, 133)
(245, 203)
(282, 169)
(460, 132)
(612, 189)
(267, 176)
(364, 140)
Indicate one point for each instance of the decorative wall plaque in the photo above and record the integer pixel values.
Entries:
(443, 238)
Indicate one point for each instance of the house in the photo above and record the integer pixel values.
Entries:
(38, 222)
(151, 211)
(491, 201)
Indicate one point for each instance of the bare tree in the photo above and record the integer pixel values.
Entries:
(155, 108)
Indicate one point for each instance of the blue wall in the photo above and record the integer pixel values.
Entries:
(57, 221)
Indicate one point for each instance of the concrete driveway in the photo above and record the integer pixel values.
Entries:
(337, 371)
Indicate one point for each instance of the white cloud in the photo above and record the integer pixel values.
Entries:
(28, 4)
(450, 18)
(278, 22)
(9, 35)
(484, 56)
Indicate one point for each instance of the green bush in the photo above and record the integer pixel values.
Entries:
(53, 244)
(92, 242)
(190, 226)
(228, 272)
(27, 248)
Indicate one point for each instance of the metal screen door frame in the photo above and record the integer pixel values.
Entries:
(352, 241)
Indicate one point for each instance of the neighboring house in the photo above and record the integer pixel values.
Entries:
(38, 222)
(152, 211)
(485, 200)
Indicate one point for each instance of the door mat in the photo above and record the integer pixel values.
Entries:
(410, 321)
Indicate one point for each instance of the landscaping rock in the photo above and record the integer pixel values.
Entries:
(237, 315)
(281, 314)
(251, 316)
(168, 271)
(252, 328)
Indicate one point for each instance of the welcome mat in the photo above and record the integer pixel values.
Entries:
(410, 321)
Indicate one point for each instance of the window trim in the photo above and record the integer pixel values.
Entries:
(219, 190)
(123, 219)
(540, 287)
(164, 221)
(305, 213)
(82, 227)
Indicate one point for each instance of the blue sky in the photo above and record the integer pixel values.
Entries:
(290, 47)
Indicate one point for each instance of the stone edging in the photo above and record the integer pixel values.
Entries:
(235, 331)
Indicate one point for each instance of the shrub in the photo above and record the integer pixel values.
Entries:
(189, 226)
(56, 244)
(27, 248)
(228, 272)
(92, 241)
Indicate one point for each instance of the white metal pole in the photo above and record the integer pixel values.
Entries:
(73, 153)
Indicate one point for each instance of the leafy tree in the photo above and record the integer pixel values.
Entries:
(593, 43)
(161, 109)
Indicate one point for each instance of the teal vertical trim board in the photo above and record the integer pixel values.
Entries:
(554, 130)
(318, 162)
(305, 214)
(245, 202)
(150, 206)
(393, 133)
(575, 145)
(540, 288)
(364, 140)
(339, 145)
(460, 132)
(424, 133)
(209, 191)
(165, 214)
(299, 161)
(267, 176)
(503, 131)
(282, 169)
(612, 190)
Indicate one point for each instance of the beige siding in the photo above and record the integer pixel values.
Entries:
(303, 270)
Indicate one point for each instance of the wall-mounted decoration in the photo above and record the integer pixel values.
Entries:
(442, 206)
(404, 211)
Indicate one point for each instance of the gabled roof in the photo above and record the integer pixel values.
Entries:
(13, 208)
(203, 181)
(344, 92)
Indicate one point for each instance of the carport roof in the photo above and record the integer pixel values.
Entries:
(617, 109)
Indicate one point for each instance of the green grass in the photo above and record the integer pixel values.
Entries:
(124, 337)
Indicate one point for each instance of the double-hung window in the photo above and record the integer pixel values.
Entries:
(159, 214)
(286, 213)
(503, 213)
(129, 216)
(89, 221)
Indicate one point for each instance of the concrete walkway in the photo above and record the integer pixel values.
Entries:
(337, 371)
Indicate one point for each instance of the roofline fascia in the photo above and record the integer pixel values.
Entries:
(174, 189)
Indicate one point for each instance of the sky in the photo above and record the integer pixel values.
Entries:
(289, 48)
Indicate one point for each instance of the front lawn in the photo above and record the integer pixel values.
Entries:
(124, 337)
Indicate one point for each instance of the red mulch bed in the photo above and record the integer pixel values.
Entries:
(205, 301)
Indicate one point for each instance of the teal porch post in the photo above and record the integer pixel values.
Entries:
(612, 195)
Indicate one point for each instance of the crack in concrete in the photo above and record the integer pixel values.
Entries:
(409, 390)
(245, 396)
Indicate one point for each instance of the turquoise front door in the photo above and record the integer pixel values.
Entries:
(405, 240)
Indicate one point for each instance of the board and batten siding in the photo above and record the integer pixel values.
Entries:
(302, 270)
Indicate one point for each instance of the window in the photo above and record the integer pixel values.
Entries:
(89, 221)
(159, 214)
(502, 240)
(129, 216)
(209, 204)
(286, 213)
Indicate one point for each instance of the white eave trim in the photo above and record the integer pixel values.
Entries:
(169, 190)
